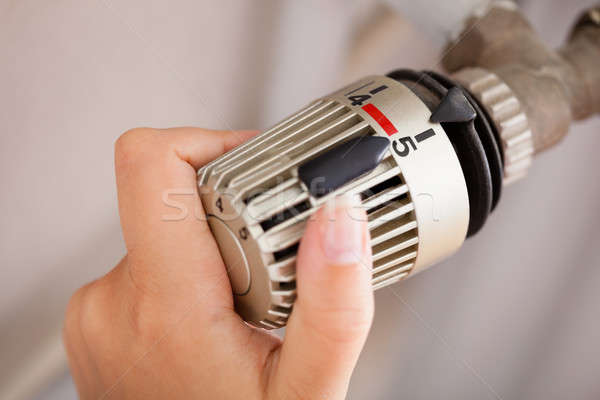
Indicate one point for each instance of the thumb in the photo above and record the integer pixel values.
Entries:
(334, 309)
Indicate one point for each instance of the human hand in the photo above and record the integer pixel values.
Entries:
(161, 324)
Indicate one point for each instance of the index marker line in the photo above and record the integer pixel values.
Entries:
(381, 119)
(358, 88)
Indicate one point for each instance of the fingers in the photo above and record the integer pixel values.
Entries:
(170, 248)
(334, 309)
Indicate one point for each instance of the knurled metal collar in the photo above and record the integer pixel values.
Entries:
(506, 112)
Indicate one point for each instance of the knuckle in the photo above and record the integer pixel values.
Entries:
(130, 144)
(72, 314)
(93, 312)
(83, 317)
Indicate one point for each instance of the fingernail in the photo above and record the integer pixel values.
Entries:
(343, 233)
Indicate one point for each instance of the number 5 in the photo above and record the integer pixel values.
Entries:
(405, 148)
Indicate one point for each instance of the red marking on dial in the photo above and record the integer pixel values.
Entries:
(381, 119)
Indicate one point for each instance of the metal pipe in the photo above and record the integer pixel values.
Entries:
(554, 87)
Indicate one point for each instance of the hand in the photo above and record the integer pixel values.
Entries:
(161, 324)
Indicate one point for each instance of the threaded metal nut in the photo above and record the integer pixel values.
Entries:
(508, 117)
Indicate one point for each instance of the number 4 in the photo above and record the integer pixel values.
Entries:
(359, 99)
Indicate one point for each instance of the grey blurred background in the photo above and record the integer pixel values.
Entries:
(513, 315)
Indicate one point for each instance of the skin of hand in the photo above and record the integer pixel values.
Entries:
(162, 323)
